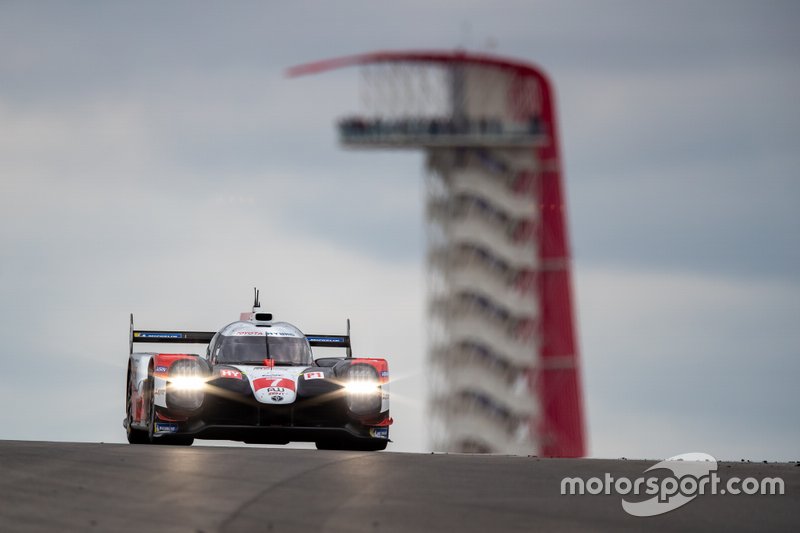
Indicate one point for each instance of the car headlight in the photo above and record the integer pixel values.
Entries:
(186, 384)
(363, 389)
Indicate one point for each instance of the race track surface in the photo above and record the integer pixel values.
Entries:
(119, 487)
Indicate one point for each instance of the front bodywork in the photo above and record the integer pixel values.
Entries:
(260, 403)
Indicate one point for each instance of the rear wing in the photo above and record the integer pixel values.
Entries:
(332, 341)
(204, 337)
(162, 337)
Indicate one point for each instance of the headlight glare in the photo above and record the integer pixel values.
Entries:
(363, 389)
(187, 383)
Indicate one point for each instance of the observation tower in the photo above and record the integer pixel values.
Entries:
(502, 353)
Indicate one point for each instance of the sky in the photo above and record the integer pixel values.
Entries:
(155, 159)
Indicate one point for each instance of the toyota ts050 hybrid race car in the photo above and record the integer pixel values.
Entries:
(256, 383)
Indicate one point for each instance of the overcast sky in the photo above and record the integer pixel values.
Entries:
(155, 159)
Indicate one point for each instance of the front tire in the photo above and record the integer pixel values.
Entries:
(135, 436)
(175, 440)
(356, 445)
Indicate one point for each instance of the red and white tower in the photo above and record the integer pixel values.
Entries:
(502, 351)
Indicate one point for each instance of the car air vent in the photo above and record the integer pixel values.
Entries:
(263, 317)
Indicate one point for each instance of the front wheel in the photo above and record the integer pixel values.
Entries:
(175, 440)
(357, 445)
(135, 436)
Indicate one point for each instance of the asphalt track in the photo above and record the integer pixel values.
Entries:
(119, 487)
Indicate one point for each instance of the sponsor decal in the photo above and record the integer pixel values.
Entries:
(166, 428)
(282, 383)
(158, 335)
(326, 339)
(229, 373)
(379, 433)
(314, 375)
(161, 369)
(277, 372)
(278, 383)
(263, 333)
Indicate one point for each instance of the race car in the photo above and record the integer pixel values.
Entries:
(257, 383)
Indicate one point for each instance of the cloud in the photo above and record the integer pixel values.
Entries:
(702, 160)
(683, 354)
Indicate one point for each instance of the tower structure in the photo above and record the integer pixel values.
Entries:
(502, 354)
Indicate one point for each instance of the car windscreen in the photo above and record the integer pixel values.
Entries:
(253, 350)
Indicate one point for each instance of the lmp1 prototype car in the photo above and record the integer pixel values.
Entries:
(256, 383)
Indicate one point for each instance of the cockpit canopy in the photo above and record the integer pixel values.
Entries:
(246, 343)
